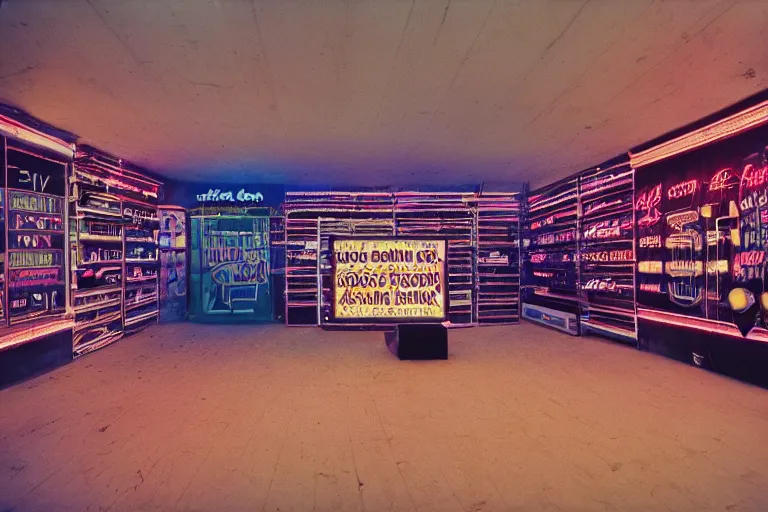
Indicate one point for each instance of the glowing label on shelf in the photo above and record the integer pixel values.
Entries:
(538, 258)
(723, 180)
(651, 287)
(31, 259)
(684, 268)
(650, 267)
(650, 242)
(541, 223)
(20, 278)
(389, 279)
(686, 240)
(717, 267)
(601, 285)
(683, 189)
(543, 274)
(602, 205)
(678, 220)
(601, 256)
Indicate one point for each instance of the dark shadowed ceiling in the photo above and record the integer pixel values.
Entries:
(377, 92)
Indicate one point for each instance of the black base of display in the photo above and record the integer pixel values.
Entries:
(34, 358)
(742, 359)
(418, 341)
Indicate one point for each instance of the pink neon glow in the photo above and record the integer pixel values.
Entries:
(686, 188)
(723, 180)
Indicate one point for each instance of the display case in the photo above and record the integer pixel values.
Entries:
(606, 251)
(114, 226)
(497, 264)
(450, 216)
(141, 298)
(551, 271)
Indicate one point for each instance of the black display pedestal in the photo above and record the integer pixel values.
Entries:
(418, 341)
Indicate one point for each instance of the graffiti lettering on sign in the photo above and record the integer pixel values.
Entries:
(601, 285)
(37, 181)
(31, 259)
(678, 220)
(754, 200)
(650, 267)
(214, 196)
(723, 180)
(650, 287)
(21, 278)
(32, 241)
(648, 202)
(748, 265)
(229, 274)
(33, 203)
(686, 188)
(754, 177)
(35, 221)
(389, 278)
(538, 258)
(650, 242)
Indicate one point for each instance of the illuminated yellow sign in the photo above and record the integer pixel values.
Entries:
(389, 279)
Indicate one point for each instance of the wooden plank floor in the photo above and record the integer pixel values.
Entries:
(213, 418)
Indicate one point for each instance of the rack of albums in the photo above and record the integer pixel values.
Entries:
(551, 277)
(114, 227)
(606, 251)
(477, 295)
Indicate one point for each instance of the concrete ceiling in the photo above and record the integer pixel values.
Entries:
(399, 92)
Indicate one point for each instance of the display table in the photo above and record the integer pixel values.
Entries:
(418, 341)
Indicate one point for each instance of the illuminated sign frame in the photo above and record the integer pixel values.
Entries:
(390, 320)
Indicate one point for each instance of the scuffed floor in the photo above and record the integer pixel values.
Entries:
(212, 418)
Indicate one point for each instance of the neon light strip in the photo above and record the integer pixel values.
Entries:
(30, 334)
(710, 326)
(599, 326)
(749, 118)
(26, 134)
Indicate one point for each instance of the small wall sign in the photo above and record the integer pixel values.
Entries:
(216, 196)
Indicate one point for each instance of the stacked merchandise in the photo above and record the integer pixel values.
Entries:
(142, 264)
(113, 241)
(497, 235)
(172, 243)
(444, 215)
(277, 260)
(302, 248)
(606, 249)
(551, 271)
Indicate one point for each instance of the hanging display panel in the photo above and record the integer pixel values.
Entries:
(35, 235)
(389, 279)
